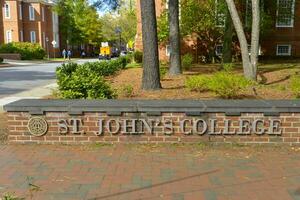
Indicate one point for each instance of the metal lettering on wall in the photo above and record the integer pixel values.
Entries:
(196, 126)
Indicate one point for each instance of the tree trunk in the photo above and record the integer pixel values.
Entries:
(242, 39)
(174, 32)
(227, 42)
(151, 77)
(255, 37)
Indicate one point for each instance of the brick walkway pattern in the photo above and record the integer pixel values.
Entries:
(139, 172)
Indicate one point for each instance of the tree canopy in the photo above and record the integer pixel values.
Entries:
(80, 22)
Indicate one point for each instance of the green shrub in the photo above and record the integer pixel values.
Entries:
(228, 67)
(28, 51)
(163, 71)
(224, 84)
(198, 83)
(228, 85)
(127, 90)
(187, 61)
(79, 82)
(1, 60)
(138, 56)
(295, 85)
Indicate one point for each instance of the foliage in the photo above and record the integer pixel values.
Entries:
(198, 18)
(80, 22)
(163, 27)
(9, 196)
(225, 84)
(187, 61)
(228, 67)
(87, 81)
(295, 85)
(138, 56)
(198, 83)
(133, 65)
(163, 71)
(1, 60)
(127, 91)
(28, 51)
(228, 85)
(83, 84)
(125, 19)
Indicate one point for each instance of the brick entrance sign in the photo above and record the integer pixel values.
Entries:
(151, 121)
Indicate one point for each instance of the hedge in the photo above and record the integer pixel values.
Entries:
(28, 51)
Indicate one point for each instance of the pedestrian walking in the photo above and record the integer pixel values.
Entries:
(64, 54)
(69, 54)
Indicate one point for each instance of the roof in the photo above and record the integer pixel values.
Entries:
(47, 2)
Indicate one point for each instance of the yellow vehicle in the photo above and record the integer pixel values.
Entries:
(105, 52)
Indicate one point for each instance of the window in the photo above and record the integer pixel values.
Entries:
(43, 14)
(220, 14)
(7, 11)
(285, 13)
(219, 50)
(284, 50)
(168, 50)
(20, 12)
(8, 36)
(31, 13)
(21, 36)
(32, 37)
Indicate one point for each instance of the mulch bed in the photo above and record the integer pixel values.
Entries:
(274, 83)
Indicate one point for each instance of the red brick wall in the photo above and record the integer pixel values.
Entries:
(18, 131)
(16, 24)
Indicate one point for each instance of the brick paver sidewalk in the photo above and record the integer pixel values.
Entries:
(135, 172)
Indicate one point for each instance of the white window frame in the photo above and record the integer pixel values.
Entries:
(21, 36)
(8, 36)
(7, 13)
(168, 50)
(284, 54)
(20, 12)
(43, 14)
(292, 16)
(32, 37)
(31, 13)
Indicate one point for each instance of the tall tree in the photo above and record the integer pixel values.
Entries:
(174, 37)
(255, 37)
(249, 63)
(151, 76)
(227, 41)
(80, 23)
(125, 20)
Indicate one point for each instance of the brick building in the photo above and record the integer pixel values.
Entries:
(283, 39)
(30, 21)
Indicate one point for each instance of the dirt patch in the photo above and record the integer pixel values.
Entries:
(3, 128)
(274, 83)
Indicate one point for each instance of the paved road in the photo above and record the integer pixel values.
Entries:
(22, 78)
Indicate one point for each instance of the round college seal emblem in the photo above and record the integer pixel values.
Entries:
(37, 126)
